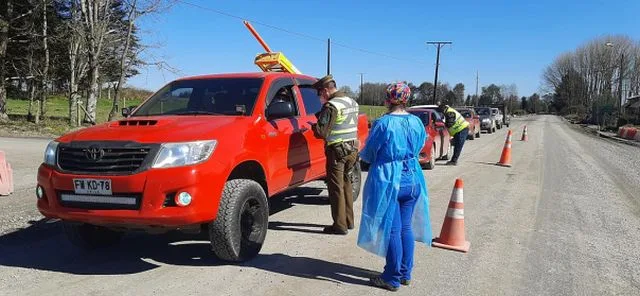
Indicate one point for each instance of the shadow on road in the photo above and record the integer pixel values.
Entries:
(486, 163)
(298, 227)
(42, 246)
(300, 195)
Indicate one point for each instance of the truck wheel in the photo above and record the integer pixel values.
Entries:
(87, 236)
(240, 228)
(478, 134)
(356, 180)
(432, 162)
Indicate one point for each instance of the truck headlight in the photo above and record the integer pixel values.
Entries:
(181, 154)
(50, 153)
(486, 120)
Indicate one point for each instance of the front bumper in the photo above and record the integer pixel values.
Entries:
(154, 188)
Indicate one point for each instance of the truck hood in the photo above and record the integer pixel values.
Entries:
(161, 129)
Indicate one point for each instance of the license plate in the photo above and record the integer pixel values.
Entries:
(92, 186)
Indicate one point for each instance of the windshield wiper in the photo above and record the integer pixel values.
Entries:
(196, 112)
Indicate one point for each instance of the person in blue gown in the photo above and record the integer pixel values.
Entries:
(395, 206)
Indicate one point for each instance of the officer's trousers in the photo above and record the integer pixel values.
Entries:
(340, 188)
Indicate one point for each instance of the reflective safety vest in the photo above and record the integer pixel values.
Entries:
(346, 126)
(459, 123)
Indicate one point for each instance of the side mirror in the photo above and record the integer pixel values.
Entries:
(126, 111)
(278, 110)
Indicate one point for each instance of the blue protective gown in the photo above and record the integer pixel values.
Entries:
(393, 140)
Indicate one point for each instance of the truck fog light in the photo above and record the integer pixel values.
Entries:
(39, 192)
(183, 199)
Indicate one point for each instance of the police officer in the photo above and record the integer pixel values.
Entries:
(458, 128)
(338, 126)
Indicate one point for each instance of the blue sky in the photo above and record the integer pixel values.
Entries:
(505, 41)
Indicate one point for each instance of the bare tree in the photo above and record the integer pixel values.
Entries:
(135, 10)
(593, 77)
(6, 14)
(45, 70)
(96, 18)
(77, 60)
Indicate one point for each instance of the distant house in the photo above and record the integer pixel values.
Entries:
(632, 109)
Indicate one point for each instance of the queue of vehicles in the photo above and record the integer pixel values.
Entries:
(438, 145)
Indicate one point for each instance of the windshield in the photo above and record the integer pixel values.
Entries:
(465, 113)
(424, 116)
(483, 111)
(218, 96)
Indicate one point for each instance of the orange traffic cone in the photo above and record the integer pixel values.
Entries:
(452, 233)
(6, 176)
(525, 137)
(505, 158)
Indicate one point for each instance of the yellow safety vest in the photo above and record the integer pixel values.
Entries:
(346, 126)
(459, 124)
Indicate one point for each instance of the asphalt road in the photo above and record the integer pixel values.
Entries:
(564, 220)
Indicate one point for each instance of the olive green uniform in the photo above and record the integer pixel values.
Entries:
(341, 157)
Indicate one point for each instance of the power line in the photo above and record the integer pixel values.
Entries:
(298, 33)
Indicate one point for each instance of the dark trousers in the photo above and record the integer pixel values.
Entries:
(458, 142)
(402, 242)
(340, 189)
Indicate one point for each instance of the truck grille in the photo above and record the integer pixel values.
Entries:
(103, 158)
(100, 202)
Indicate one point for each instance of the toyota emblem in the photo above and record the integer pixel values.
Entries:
(94, 153)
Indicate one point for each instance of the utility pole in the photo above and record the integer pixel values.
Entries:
(438, 44)
(328, 56)
(361, 85)
(476, 98)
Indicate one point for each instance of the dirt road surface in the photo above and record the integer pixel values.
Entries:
(564, 220)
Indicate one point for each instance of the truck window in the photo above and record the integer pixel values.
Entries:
(216, 96)
(285, 94)
(310, 98)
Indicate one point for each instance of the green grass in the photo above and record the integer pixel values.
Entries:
(373, 112)
(58, 107)
(56, 119)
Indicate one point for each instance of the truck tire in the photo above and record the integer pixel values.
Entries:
(89, 237)
(356, 180)
(478, 134)
(239, 230)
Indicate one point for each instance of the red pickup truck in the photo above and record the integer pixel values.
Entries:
(202, 153)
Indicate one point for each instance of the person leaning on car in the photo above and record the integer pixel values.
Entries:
(458, 128)
(338, 126)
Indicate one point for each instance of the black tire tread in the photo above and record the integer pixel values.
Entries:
(221, 231)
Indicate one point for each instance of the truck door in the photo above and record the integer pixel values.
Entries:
(288, 148)
(311, 103)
